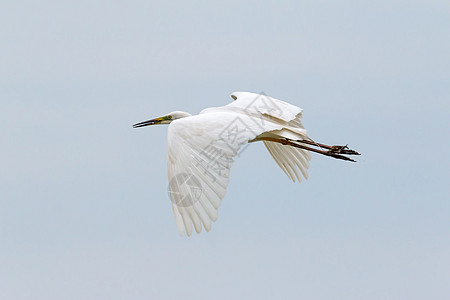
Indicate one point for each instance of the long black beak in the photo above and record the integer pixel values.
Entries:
(148, 123)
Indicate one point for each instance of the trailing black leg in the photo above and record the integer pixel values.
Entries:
(332, 151)
(335, 149)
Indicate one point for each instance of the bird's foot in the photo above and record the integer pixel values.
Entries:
(342, 150)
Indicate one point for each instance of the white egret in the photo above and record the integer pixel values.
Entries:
(201, 150)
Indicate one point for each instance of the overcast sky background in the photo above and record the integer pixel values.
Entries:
(84, 210)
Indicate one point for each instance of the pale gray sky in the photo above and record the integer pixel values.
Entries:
(84, 210)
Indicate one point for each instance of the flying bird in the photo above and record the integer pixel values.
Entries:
(201, 150)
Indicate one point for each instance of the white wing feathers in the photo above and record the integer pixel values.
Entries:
(261, 104)
(202, 147)
(290, 159)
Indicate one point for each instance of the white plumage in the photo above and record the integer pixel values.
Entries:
(202, 147)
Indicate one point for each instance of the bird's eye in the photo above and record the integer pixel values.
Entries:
(169, 117)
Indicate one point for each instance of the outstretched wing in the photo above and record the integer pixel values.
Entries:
(201, 150)
(263, 105)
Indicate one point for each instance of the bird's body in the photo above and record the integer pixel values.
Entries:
(202, 147)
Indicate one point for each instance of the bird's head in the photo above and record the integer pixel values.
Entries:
(167, 119)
